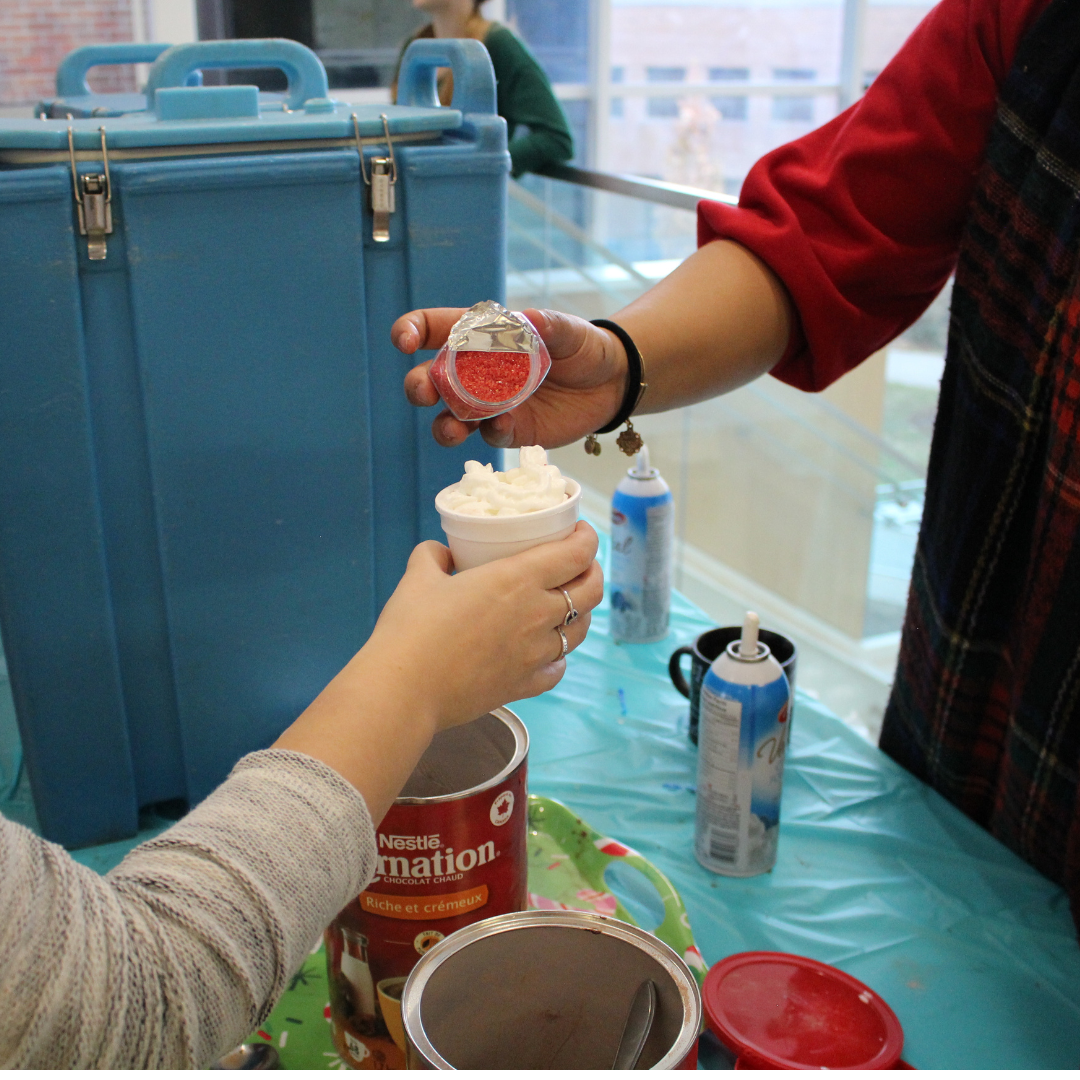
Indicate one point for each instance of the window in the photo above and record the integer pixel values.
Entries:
(793, 107)
(789, 107)
(665, 74)
(730, 106)
(664, 107)
(557, 32)
(729, 74)
(618, 74)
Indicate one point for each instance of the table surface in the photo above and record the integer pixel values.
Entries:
(876, 873)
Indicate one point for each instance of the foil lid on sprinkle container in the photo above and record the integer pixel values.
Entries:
(492, 361)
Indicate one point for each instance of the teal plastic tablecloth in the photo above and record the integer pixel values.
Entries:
(973, 949)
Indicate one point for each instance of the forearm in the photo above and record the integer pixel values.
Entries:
(540, 148)
(446, 649)
(184, 948)
(389, 715)
(717, 322)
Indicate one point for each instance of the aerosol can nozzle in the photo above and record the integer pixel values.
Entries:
(748, 646)
(642, 470)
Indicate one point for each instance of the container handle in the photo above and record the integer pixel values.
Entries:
(592, 854)
(303, 69)
(675, 669)
(71, 74)
(474, 77)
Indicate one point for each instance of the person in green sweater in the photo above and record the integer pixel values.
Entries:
(525, 97)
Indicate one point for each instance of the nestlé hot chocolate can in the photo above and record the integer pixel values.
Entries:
(451, 852)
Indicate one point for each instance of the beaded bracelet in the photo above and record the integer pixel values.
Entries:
(629, 441)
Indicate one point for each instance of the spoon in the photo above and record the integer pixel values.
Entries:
(639, 1022)
(256, 1055)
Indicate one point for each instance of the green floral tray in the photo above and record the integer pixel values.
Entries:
(568, 861)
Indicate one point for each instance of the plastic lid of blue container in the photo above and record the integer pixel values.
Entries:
(178, 114)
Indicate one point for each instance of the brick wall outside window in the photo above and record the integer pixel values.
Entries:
(35, 35)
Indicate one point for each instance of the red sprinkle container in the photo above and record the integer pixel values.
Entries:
(475, 384)
(774, 1010)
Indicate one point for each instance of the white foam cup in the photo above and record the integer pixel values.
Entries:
(476, 539)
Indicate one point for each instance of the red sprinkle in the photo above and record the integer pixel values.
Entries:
(492, 376)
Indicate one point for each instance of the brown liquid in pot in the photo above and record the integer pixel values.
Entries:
(544, 998)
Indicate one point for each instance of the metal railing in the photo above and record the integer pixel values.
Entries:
(574, 231)
(660, 192)
(757, 88)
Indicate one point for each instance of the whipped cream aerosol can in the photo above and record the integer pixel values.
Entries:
(742, 743)
(642, 539)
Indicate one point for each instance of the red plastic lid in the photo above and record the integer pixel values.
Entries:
(781, 1011)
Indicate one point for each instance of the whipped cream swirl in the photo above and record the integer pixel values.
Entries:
(533, 485)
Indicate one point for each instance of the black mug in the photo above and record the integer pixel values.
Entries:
(707, 648)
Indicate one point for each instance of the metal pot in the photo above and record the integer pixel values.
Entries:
(546, 990)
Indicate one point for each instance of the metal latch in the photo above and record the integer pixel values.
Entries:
(382, 181)
(93, 197)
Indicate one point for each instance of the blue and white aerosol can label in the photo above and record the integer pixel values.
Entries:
(642, 541)
(742, 745)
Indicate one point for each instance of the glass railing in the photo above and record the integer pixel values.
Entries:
(796, 504)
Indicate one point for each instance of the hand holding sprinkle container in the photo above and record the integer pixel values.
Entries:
(492, 361)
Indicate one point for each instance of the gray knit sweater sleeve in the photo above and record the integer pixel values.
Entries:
(183, 949)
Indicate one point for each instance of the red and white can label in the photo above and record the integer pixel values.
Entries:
(442, 865)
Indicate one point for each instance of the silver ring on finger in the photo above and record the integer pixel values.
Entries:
(565, 644)
(572, 613)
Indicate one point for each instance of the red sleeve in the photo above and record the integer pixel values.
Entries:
(861, 218)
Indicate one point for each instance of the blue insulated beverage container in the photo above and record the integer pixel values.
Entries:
(642, 538)
(742, 743)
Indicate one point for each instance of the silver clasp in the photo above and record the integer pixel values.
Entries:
(382, 181)
(93, 197)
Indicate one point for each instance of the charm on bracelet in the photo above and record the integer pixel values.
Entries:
(629, 441)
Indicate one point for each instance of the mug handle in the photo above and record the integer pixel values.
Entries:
(675, 669)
